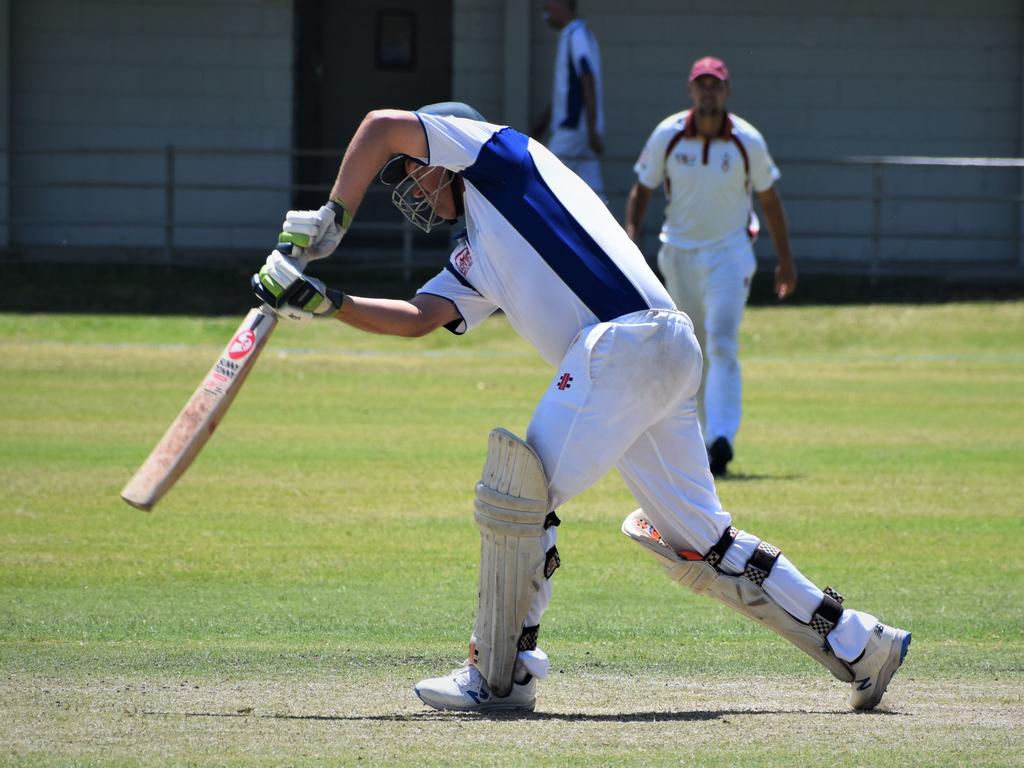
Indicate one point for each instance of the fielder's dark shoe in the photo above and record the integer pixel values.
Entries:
(719, 456)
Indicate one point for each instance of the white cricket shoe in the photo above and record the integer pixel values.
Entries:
(465, 690)
(885, 651)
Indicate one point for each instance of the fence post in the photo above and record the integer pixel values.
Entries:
(1020, 215)
(406, 254)
(876, 220)
(6, 123)
(169, 163)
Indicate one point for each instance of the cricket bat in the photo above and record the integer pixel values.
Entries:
(202, 413)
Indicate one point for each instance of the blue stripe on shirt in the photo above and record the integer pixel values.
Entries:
(574, 96)
(505, 174)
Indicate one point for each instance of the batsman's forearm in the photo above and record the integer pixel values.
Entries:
(382, 133)
(390, 317)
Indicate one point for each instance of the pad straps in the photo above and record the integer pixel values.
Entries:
(717, 552)
(759, 566)
(528, 638)
(761, 563)
(827, 616)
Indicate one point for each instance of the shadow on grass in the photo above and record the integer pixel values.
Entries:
(739, 477)
(571, 717)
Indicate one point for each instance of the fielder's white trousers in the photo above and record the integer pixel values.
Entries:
(625, 396)
(712, 285)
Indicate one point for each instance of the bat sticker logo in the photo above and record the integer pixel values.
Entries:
(242, 344)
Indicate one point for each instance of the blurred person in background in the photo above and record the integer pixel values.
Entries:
(576, 112)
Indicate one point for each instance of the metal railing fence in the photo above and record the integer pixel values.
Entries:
(163, 176)
(1006, 199)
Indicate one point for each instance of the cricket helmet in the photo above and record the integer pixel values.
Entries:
(415, 203)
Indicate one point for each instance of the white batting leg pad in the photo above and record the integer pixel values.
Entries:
(739, 593)
(511, 507)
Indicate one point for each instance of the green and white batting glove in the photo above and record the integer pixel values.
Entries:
(281, 284)
(317, 232)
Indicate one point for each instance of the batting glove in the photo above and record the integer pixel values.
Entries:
(281, 284)
(317, 232)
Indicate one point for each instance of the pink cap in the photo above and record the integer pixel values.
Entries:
(709, 65)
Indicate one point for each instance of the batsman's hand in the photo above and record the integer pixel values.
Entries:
(281, 284)
(317, 233)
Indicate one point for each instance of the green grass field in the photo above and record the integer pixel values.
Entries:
(321, 556)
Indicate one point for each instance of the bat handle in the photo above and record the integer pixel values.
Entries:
(296, 253)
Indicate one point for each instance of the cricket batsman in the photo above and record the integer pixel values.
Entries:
(541, 246)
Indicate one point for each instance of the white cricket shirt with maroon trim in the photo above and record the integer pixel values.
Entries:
(707, 182)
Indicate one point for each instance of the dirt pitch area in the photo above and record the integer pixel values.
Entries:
(587, 720)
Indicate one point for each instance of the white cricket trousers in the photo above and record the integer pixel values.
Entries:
(712, 285)
(625, 396)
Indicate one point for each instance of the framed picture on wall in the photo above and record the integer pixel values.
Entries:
(396, 40)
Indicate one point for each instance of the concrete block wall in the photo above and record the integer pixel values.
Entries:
(887, 77)
(923, 77)
(477, 65)
(883, 77)
(142, 75)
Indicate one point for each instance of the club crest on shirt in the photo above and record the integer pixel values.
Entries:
(463, 260)
(725, 162)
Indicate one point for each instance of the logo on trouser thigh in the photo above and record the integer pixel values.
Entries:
(564, 381)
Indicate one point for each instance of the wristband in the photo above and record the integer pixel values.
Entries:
(342, 216)
(336, 297)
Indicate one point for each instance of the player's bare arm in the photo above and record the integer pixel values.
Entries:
(636, 210)
(418, 316)
(382, 134)
(540, 126)
(589, 88)
(775, 214)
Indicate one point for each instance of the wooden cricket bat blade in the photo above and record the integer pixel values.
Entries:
(189, 432)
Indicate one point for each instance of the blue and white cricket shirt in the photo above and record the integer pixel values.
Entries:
(541, 246)
(577, 55)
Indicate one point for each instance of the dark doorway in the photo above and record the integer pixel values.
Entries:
(354, 56)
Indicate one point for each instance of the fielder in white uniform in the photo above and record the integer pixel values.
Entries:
(541, 246)
(576, 112)
(708, 162)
